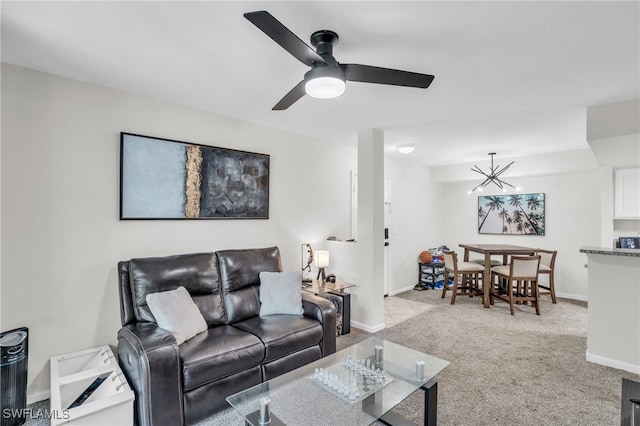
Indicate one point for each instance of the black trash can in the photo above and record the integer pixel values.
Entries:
(13, 376)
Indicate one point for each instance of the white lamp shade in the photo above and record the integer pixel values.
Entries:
(321, 258)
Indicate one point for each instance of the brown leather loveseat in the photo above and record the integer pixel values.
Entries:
(178, 385)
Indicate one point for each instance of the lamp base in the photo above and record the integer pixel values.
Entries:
(321, 273)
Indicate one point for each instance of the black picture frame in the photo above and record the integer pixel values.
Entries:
(629, 242)
(175, 180)
(513, 214)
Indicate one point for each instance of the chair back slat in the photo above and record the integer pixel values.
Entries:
(547, 257)
(525, 267)
(450, 260)
(548, 260)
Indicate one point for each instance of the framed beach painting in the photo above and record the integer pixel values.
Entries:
(517, 214)
(167, 179)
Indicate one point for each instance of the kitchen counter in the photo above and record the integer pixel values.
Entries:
(611, 251)
(613, 331)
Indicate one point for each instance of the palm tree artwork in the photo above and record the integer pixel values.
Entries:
(516, 214)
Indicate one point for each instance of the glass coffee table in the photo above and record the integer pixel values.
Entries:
(358, 385)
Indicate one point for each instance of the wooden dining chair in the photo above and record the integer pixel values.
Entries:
(521, 278)
(547, 266)
(469, 274)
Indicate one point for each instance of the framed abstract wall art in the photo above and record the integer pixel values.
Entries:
(167, 179)
(517, 214)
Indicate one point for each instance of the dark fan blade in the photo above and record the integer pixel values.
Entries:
(369, 74)
(284, 37)
(291, 97)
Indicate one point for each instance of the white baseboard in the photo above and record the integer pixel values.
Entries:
(596, 359)
(367, 328)
(402, 290)
(38, 396)
(579, 297)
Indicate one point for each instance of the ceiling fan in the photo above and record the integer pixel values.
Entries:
(327, 77)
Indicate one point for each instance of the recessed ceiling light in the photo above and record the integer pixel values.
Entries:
(406, 149)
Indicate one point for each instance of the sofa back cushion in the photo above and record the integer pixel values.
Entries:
(240, 279)
(197, 273)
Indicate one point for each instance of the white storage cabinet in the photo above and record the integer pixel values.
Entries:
(71, 374)
(627, 194)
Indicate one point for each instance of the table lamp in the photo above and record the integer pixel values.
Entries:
(321, 260)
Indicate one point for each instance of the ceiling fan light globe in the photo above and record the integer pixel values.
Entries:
(324, 87)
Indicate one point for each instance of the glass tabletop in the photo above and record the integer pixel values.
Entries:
(319, 286)
(348, 387)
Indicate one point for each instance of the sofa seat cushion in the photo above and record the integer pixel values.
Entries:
(218, 352)
(283, 334)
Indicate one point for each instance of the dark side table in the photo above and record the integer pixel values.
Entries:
(322, 288)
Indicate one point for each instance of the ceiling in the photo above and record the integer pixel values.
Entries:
(511, 77)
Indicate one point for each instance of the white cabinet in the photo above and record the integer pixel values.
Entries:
(72, 375)
(627, 194)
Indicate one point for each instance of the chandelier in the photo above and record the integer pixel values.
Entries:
(492, 176)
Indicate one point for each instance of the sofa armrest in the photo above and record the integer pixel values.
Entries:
(148, 356)
(323, 311)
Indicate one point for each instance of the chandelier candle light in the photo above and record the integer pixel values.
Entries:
(492, 176)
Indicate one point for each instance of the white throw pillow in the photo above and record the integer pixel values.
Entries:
(280, 293)
(176, 312)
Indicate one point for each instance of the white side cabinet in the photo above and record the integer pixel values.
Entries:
(627, 194)
(111, 403)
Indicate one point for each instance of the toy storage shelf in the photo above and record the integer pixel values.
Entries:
(429, 274)
(110, 403)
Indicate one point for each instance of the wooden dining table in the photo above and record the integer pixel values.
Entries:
(491, 250)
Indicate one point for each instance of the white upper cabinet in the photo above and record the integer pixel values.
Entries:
(627, 193)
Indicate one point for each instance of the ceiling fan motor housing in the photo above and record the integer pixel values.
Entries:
(323, 41)
(321, 81)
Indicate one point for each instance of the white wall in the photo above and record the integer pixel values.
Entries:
(61, 237)
(572, 212)
(416, 222)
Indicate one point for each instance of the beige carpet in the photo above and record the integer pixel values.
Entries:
(520, 370)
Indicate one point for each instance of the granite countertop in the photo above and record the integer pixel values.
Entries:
(611, 251)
